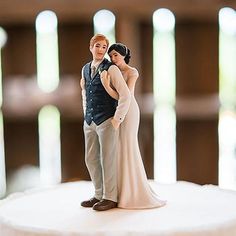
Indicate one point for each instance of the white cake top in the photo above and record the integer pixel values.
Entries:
(191, 210)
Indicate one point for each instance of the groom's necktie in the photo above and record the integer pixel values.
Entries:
(93, 71)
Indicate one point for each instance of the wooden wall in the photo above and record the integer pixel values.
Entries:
(196, 76)
(197, 82)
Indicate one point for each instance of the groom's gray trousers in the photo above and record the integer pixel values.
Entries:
(101, 143)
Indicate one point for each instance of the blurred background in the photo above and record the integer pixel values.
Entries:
(185, 51)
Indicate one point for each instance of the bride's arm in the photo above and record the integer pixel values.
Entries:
(83, 92)
(105, 78)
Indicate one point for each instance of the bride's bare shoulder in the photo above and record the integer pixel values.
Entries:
(133, 71)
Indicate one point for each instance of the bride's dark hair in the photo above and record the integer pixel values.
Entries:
(122, 50)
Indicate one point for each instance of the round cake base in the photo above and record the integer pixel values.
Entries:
(190, 210)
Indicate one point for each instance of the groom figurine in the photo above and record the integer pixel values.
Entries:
(103, 115)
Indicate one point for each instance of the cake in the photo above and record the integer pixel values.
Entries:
(191, 210)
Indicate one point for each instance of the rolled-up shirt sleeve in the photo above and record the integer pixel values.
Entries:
(122, 89)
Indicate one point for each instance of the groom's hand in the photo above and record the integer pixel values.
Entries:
(115, 124)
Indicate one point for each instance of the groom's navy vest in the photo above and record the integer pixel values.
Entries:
(99, 104)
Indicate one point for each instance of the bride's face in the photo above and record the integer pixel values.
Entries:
(116, 58)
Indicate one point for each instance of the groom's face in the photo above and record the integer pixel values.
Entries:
(99, 50)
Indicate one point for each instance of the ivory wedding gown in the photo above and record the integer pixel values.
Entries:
(134, 191)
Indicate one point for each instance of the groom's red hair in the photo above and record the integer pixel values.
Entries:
(98, 37)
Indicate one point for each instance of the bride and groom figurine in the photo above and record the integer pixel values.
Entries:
(111, 124)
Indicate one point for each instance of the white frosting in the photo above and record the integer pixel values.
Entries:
(191, 210)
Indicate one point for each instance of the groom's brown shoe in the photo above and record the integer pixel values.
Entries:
(90, 202)
(104, 205)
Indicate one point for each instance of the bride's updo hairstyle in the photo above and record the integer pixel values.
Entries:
(122, 50)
